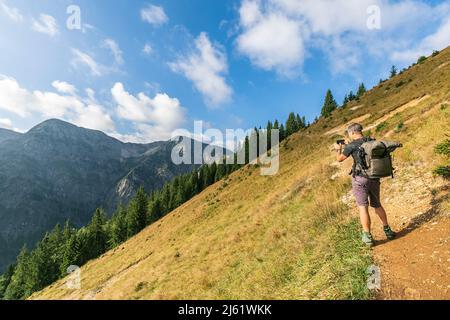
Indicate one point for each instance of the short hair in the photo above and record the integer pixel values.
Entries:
(355, 127)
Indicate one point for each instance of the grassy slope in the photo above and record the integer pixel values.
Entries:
(286, 236)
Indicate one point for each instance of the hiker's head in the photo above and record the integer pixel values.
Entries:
(354, 131)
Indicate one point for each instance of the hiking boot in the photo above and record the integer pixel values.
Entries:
(368, 239)
(389, 233)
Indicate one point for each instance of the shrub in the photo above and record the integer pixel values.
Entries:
(381, 126)
(399, 127)
(435, 53)
(442, 171)
(399, 84)
(443, 148)
(422, 59)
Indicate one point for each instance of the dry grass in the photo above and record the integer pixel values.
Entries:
(283, 237)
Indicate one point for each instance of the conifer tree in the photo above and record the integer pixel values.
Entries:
(351, 96)
(329, 105)
(20, 286)
(137, 212)
(282, 132)
(5, 280)
(118, 227)
(155, 210)
(361, 91)
(291, 124)
(393, 71)
(72, 253)
(220, 172)
(346, 101)
(97, 235)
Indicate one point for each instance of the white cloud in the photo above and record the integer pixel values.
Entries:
(64, 87)
(155, 118)
(154, 15)
(271, 40)
(148, 49)
(94, 117)
(12, 13)
(436, 41)
(115, 50)
(45, 104)
(82, 58)
(206, 67)
(46, 24)
(6, 123)
(278, 34)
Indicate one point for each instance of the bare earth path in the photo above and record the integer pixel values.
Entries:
(417, 264)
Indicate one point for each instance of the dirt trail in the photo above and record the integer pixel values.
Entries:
(417, 264)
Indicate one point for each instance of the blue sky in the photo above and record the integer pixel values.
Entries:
(138, 70)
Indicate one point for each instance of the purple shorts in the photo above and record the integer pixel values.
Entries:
(365, 189)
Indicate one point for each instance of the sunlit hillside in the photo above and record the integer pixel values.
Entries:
(295, 235)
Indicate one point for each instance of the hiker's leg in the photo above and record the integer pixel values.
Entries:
(375, 201)
(365, 218)
(382, 214)
(361, 193)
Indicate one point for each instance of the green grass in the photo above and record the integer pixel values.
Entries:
(351, 261)
(381, 127)
(283, 237)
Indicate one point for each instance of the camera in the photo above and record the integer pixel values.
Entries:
(340, 142)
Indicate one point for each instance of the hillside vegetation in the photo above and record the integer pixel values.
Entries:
(295, 235)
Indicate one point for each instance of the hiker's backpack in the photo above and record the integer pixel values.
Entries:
(375, 160)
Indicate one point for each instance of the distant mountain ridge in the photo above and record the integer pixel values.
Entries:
(58, 171)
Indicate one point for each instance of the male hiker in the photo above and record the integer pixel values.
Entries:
(364, 188)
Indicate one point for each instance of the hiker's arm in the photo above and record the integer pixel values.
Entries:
(340, 157)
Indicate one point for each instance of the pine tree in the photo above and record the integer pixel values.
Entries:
(137, 212)
(20, 286)
(212, 173)
(329, 105)
(393, 71)
(351, 96)
(361, 91)
(72, 253)
(247, 150)
(5, 280)
(299, 122)
(282, 133)
(97, 235)
(346, 101)
(118, 227)
(165, 196)
(44, 270)
(269, 135)
(68, 231)
(276, 125)
(155, 210)
(291, 124)
(220, 172)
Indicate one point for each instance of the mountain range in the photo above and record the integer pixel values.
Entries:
(58, 171)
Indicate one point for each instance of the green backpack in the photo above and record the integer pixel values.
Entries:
(375, 160)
